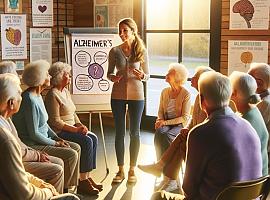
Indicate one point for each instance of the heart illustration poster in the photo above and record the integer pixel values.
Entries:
(13, 37)
(42, 13)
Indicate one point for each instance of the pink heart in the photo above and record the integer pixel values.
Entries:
(42, 8)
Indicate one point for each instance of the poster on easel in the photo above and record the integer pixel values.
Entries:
(249, 14)
(13, 37)
(42, 13)
(242, 53)
(90, 63)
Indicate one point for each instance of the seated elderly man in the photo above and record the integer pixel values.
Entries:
(223, 149)
(15, 183)
(40, 164)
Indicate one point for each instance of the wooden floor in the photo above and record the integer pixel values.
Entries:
(143, 189)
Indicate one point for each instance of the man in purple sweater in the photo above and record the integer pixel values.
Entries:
(223, 149)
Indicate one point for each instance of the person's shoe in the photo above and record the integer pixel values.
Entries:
(85, 187)
(153, 169)
(96, 185)
(161, 184)
(132, 177)
(170, 186)
(119, 177)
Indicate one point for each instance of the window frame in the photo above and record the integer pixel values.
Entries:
(214, 46)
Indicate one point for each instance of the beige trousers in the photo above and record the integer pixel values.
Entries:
(51, 172)
(71, 158)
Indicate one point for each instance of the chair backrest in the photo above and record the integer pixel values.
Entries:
(246, 190)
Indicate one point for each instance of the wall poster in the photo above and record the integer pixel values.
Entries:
(13, 37)
(109, 12)
(249, 14)
(101, 19)
(41, 44)
(42, 13)
(241, 53)
(13, 6)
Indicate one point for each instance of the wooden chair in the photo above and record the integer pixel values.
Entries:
(246, 190)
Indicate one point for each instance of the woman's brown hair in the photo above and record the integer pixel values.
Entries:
(138, 45)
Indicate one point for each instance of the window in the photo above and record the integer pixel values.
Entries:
(183, 31)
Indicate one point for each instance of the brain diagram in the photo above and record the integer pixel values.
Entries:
(245, 9)
(95, 71)
(246, 57)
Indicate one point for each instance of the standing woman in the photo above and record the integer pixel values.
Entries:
(65, 122)
(130, 62)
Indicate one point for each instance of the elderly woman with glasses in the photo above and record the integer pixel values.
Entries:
(33, 129)
(65, 122)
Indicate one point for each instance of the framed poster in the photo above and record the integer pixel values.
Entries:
(101, 19)
(13, 37)
(109, 12)
(42, 13)
(241, 53)
(41, 44)
(13, 6)
(249, 14)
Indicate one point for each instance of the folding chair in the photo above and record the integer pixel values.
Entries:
(246, 190)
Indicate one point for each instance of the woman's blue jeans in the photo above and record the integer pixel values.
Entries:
(135, 110)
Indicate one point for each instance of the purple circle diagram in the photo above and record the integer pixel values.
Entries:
(100, 57)
(95, 71)
(104, 85)
(82, 58)
(83, 82)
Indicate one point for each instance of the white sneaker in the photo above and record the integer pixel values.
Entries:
(170, 186)
(161, 184)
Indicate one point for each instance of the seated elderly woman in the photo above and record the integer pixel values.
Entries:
(15, 183)
(32, 127)
(64, 121)
(261, 73)
(40, 164)
(245, 98)
(8, 67)
(172, 158)
(174, 108)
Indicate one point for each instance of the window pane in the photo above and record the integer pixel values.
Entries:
(196, 47)
(162, 50)
(154, 88)
(162, 14)
(196, 14)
